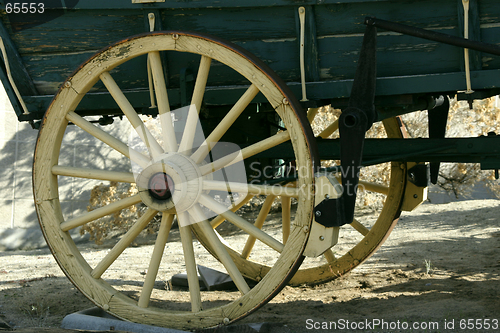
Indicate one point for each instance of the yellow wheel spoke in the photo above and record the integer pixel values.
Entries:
(190, 261)
(126, 240)
(100, 212)
(259, 222)
(251, 189)
(245, 153)
(329, 130)
(240, 222)
(311, 114)
(154, 264)
(108, 139)
(194, 109)
(329, 256)
(225, 124)
(359, 227)
(220, 250)
(167, 127)
(219, 219)
(132, 116)
(286, 204)
(113, 176)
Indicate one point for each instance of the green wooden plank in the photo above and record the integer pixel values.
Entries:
(19, 73)
(396, 55)
(348, 18)
(330, 90)
(416, 84)
(127, 4)
(490, 34)
(79, 31)
(235, 23)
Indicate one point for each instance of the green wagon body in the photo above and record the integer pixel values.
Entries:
(247, 106)
(43, 54)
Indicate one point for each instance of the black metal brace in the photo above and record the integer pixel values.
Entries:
(433, 35)
(438, 118)
(354, 121)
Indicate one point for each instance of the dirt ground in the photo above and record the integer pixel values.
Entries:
(441, 266)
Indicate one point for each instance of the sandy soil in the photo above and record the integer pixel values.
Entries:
(441, 266)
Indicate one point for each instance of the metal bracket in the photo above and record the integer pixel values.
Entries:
(438, 118)
(414, 195)
(353, 124)
(321, 236)
(419, 175)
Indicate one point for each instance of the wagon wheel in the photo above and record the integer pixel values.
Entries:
(173, 179)
(365, 237)
(368, 235)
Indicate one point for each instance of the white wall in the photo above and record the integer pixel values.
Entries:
(18, 221)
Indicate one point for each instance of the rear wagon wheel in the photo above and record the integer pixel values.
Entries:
(173, 178)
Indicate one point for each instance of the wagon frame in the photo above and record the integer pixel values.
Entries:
(322, 52)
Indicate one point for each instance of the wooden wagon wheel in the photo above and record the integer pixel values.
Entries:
(180, 185)
(370, 235)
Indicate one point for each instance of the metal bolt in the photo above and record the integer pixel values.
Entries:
(175, 36)
(285, 101)
(327, 196)
(318, 213)
(226, 321)
(67, 84)
(105, 307)
(321, 238)
(306, 229)
(415, 196)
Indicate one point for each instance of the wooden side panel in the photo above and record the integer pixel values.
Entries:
(53, 50)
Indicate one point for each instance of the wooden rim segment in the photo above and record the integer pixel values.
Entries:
(91, 280)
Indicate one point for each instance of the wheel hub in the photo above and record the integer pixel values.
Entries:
(161, 186)
(172, 183)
